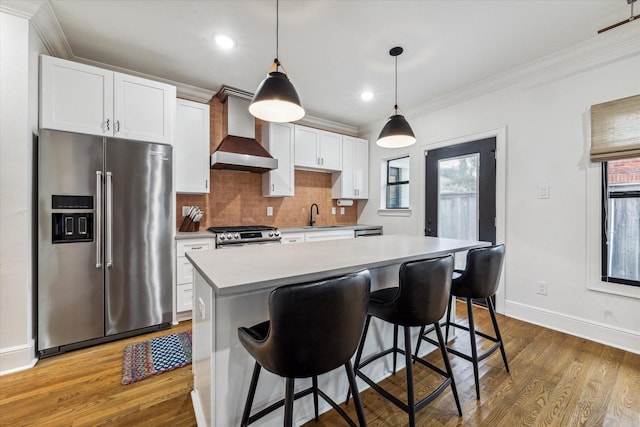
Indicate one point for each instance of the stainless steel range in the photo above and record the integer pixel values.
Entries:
(244, 235)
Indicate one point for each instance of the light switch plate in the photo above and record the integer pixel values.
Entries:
(269, 210)
(333, 210)
(341, 211)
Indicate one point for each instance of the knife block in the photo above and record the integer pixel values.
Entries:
(189, 225)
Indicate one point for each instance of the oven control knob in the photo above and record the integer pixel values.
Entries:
(236, 236)
(229, 236)
(222, 237)
(277, 233)
(271, 234)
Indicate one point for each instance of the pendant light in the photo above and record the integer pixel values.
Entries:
(276, 100)
(396, 132)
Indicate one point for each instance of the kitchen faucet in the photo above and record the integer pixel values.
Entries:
(311, 220)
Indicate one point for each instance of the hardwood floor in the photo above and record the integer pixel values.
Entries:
(83, 388)
(555, 380)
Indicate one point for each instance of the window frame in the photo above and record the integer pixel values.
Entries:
(390, 184)
(604, 241)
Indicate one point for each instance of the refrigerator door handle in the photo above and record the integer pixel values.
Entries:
(98, 219)
(109, 215)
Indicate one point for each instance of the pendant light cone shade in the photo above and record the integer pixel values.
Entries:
(276, 100)
(396, 133)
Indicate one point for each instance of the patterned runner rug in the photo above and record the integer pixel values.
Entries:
(152, 357)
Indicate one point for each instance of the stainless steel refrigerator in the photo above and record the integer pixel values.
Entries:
(104, 239)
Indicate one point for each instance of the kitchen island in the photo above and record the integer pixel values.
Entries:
(232, 288)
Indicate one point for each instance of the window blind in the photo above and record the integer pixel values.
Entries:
(615, 129)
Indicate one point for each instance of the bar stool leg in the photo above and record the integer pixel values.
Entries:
(447, 365)
(497, 331)
(474, 350)
(288, 403)
(359, 352)
(409, 370)
(419, 341)
(251, 395)
(395, 347)
(315, 395)
(446, 335)
(353, 387)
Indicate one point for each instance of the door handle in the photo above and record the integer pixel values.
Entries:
(109, 214)
(98, 223)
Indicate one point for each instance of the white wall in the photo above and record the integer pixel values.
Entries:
(19, 48)
(546, 115)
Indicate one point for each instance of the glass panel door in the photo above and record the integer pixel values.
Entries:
(458, 202)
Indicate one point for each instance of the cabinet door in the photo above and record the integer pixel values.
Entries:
(347, 183)
(144, 110)
(361, 168)
(278, 140)
(75, 97)
(191, 147)
(306, 143)
(330, 151)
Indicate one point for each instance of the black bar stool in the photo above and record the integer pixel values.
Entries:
(479, 280)
(313, 328)
(419, 300)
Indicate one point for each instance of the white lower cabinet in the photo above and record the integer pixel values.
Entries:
(184, 273)
(316, 236)
(292, 238)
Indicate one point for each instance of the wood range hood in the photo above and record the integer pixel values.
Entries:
(239, 150)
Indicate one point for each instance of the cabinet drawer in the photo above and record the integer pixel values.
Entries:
(193, 245)
(184, 298)
(184, 271)
(292, 238)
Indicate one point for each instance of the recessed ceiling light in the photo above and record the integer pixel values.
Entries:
(366, 96)
(225, 42)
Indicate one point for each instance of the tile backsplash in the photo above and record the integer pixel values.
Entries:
(235, 198)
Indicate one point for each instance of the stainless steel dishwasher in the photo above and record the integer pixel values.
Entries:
(368, 231)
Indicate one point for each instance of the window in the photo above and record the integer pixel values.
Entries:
(398, 183)
(621, 221)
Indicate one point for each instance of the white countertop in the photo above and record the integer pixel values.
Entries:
(251, 268)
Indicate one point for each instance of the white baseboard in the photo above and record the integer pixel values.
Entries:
(197, 409)
(624, 339)
(18, 358)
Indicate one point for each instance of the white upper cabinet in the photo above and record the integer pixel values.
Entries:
(191, 147)
(317, 150)
(277, 138)
(75, 97)
(143, 109)
(80, 98)
(353, 181)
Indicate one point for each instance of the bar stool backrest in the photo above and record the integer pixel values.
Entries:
(424, 287)
(315, 327)
(481, 276)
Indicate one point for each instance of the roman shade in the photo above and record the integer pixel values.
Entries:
(615, 129)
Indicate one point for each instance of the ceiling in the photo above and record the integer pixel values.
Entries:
(333, 49)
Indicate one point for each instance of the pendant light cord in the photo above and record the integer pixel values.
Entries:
(396, 103)
(277, 61)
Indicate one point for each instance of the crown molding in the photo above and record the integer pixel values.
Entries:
(597, 51)
(183, 90)
(50, 32)
(21, 9)
(328, 125)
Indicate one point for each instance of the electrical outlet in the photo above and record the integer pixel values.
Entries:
(341, 211)
(333, 210)
(185, 210)
(269, 210)
(544, 192)
(541, 287)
